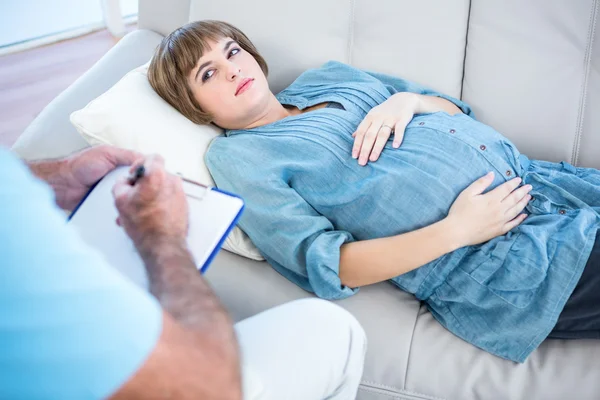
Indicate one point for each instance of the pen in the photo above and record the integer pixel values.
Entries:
(136, 175)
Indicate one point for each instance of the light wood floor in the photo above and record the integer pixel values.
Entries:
(31, 79)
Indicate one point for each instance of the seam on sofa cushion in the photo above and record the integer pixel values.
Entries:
(584, 84)
(462, 80)
(410, 344)
(351, 32)
(394, 393)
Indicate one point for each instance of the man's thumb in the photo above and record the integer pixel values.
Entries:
(121, 189)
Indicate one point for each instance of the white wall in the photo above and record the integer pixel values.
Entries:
(23, 20)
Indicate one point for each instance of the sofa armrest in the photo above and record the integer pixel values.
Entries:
(51, 134)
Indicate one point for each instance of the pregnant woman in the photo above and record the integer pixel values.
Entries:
(352, 177)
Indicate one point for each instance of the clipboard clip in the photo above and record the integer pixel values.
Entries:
(200, 193)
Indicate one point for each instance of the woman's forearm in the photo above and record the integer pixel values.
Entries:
(430, 104)
(371, 261)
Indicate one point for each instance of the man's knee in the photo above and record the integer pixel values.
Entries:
(338, 319)
(321, 340)
(342, 337)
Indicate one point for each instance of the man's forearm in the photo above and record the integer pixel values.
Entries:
(185, 295)
(370, 261)
(179, 287)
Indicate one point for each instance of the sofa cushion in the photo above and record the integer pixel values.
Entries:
(422, 41)
(558, 369)
(588, 152)
(530, 72)
(410, 355)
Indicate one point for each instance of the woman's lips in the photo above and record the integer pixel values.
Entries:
(244, 86)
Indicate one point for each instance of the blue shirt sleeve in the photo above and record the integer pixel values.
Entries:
(71, 327)
(335, 72)
(396, 85)
(306, 247)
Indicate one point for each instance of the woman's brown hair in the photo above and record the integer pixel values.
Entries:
(178, 54)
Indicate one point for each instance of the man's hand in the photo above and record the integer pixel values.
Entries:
(72, 177)
(155, 209)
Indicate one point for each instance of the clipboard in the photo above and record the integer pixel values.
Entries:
(212, 215)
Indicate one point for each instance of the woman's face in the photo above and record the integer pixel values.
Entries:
(228, 83)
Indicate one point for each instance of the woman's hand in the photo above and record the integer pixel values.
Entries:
(390, 117)
(476, 218)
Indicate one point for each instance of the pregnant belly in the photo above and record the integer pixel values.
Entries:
(406, 189)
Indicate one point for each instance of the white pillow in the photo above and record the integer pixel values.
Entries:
(133, 116)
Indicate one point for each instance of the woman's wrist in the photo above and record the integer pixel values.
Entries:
(429, 104)
(407, 99)
(452, 235)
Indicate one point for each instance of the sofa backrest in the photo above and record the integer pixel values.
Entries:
(530, 69)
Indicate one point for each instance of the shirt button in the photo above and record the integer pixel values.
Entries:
(421, 123)
(452, 131)
(561, 212)
(482, 147)
(508, 173)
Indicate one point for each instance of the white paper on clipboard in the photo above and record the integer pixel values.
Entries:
(212, 215)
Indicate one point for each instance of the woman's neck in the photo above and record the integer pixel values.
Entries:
(274, 111)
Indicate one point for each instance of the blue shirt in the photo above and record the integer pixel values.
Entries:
(71, 326)
(306, 196)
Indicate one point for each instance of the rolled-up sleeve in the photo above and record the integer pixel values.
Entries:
(293, 237)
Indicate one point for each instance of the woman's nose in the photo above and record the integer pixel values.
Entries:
(233, 71)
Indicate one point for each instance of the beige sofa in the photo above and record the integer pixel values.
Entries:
(531, 69)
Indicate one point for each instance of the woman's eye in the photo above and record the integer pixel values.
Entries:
(207, 75)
